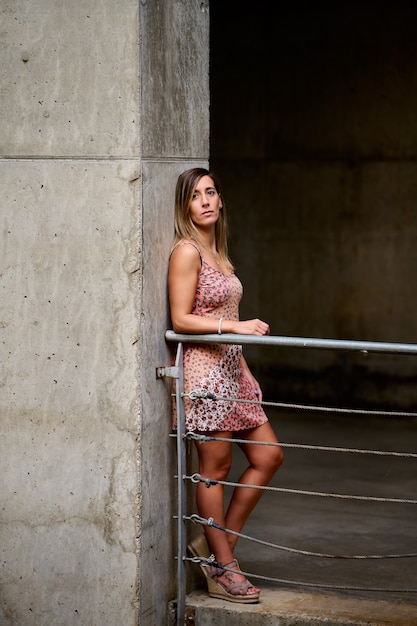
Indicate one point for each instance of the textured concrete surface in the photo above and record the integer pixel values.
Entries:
(69, 386)
(174, 134)
(332, 527)
(298, 608)
(175, 71)
(102, 104)
(69, 79)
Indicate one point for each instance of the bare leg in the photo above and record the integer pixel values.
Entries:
(263, 463)
(215, 459)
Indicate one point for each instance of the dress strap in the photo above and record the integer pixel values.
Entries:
(191, 243)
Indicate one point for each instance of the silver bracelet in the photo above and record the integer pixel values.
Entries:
(219, 330)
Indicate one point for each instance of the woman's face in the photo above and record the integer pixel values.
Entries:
(205, 203)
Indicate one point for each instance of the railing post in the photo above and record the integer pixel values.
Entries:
(182, 492)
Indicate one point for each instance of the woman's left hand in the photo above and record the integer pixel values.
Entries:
(257, 391)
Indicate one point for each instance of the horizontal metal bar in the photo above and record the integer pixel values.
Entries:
(296, 342)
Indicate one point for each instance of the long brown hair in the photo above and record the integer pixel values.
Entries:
(184, 226)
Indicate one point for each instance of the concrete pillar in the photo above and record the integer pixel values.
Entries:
(102, 105)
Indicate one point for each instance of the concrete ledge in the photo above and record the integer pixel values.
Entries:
(296, 608)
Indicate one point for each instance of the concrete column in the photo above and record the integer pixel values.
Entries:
(102, 105)
(175, 132)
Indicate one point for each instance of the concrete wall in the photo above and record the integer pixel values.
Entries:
(175, 136)
(314, 134)
(102, 105)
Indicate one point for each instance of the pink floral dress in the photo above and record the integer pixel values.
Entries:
(216, 368)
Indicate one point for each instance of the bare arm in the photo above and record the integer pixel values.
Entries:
(184, 268)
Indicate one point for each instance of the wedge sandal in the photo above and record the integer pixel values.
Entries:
(199, 548)
(230, 590)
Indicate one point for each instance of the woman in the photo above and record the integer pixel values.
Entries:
(204, 295)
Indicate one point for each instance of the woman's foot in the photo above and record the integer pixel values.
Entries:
(231, 585)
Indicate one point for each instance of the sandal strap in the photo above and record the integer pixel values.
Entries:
(237, 589)
(232, 587)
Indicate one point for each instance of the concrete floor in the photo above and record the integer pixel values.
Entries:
(331, 526)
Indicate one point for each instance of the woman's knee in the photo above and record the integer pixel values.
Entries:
(270, 460)
(277, 457)
(219, 470)
(216, 466)
(217, 454)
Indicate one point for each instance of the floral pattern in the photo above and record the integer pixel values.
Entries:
(216, 368)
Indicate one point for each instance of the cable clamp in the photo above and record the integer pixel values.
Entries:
(201, 395)
(167, 372)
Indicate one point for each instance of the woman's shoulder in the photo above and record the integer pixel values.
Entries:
(186, 247)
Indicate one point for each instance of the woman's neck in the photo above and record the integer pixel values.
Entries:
(208, 241)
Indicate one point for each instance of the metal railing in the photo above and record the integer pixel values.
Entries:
(176, 372)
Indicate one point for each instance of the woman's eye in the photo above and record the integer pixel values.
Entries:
(210, 192)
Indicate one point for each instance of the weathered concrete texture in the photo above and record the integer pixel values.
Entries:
(87, 506)
(55, 573)
(174, 136)
(69, 78)
(175, 79)
(158, 453)
(69, 392)
(294, 608)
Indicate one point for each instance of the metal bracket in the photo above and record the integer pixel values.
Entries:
(167, 372)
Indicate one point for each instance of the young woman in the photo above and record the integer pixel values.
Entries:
(204, 295)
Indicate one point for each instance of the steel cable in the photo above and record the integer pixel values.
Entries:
(299, 583)
(203, 438)
(206, 395)
(197, 519)
(209, 482)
